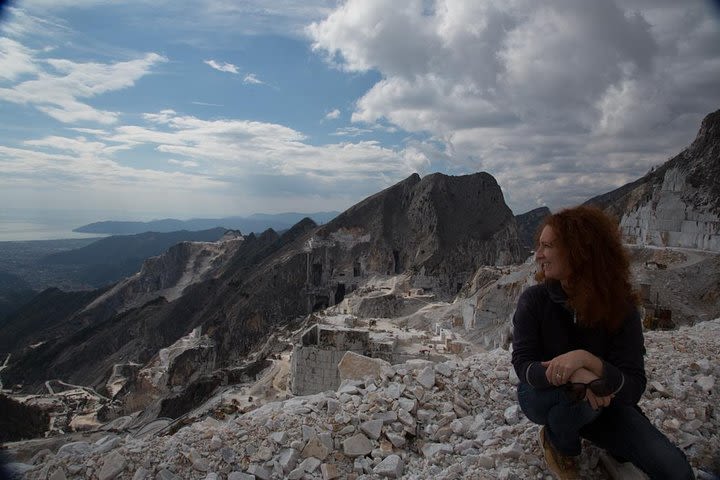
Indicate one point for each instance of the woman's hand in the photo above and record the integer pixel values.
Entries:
(582, 375)
(560, 369)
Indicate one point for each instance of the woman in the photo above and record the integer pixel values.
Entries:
(578, 350)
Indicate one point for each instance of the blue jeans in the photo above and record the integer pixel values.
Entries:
(622, 430)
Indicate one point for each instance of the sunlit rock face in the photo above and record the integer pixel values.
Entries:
(678, 203)
(168, 275)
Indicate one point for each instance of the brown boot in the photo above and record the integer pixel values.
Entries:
(561, 466)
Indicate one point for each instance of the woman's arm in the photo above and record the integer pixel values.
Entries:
(623, 369)
(527, 350)
(561, 368)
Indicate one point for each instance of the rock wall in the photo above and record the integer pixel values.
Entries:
(678, 203)
(173, 368)
(667, 220)
(487, 312)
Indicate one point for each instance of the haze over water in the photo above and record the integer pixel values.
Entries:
(20, 224)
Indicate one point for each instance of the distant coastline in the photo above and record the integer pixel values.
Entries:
(257, 223)
(29, 231)
(24, 225)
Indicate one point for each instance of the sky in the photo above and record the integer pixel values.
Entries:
(221, 107)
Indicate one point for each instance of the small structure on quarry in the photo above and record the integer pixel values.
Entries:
(656, 316)
(314, 363)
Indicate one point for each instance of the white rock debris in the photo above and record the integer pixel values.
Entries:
(447, 421)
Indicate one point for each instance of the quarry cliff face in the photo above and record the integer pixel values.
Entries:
(678, 203)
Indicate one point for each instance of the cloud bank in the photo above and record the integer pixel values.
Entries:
(558, 100)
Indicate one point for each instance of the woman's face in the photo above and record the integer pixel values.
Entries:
(550, 257)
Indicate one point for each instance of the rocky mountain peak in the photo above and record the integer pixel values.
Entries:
(709, 129)
(440, 222)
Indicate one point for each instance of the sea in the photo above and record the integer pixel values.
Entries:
(21, 224)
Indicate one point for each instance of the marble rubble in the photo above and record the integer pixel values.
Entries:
(416, 420)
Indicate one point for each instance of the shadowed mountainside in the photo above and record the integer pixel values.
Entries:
(528, 224)
(14, 292)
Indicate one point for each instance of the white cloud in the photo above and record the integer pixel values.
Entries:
(333, 115)
(59, 84)
(18, 23)
(252, 79)
(89, 131)
(351, 132)
(183, 163)
(231, 148)
(559, 100)
(226, 163)
(15, 60)
(223, 67)
(76, 163)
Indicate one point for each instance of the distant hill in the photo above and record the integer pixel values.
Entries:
(110, 259)
(44, 316)
(14, 292)
(257, 222)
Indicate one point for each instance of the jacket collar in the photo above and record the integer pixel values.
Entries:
(556, 292)
(558, 296)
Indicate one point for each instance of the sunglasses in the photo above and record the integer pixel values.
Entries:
(577, 391)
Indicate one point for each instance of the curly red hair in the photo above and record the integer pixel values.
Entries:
(600, 289)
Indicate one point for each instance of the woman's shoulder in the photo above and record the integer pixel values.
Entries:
(534, 293)
(535, 290)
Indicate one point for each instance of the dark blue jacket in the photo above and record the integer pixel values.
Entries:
(544, 327)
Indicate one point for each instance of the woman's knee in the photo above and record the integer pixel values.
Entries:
(534, 403)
